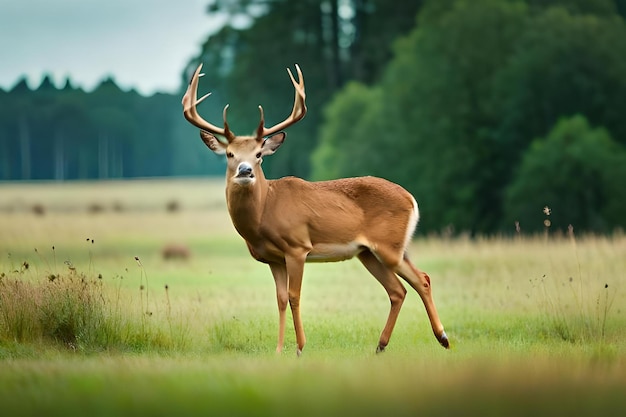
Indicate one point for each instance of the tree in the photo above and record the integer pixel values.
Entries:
(604, 8)
(578, 172)
(333, 41)
(238, 72)
(349, 116)
(70, 131)
(435, 109)
(563, 64)
(468, 90)
(370, 28)
(6, 148)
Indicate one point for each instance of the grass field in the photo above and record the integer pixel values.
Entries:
(537, 324)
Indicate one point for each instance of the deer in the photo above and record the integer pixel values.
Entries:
(288, 222)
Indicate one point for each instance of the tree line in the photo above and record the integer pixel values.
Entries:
(486, 110)
(66, 133)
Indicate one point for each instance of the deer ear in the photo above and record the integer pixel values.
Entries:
(271, 144)
(212, 142)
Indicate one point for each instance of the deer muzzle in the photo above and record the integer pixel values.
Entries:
(244, 170)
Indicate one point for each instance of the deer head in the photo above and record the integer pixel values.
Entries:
(244, 153)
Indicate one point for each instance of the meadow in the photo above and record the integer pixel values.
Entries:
(139, 298)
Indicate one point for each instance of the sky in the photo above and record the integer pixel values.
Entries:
(141, 44)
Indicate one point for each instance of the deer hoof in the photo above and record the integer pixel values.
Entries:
(380, 349)
(298, 352)
(443, 340)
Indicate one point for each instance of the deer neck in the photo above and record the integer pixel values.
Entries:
(245, 205)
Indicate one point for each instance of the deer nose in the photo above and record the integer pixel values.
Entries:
(244, 170)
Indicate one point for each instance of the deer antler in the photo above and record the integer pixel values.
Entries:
(190, 101)
(298, 112)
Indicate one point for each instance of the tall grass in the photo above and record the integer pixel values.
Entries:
(577, 305)
(81, 311)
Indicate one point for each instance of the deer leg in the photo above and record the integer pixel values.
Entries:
(394, 288)
(295, 270)
(420, 281)
(282, 296)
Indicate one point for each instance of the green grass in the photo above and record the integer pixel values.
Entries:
(536, 325)
(261, 384)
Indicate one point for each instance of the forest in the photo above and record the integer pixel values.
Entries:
(488, 111)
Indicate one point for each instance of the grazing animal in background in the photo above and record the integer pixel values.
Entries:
(290, 221)
(175, 251)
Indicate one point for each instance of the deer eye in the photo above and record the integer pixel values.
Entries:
(229, 154)
(258, 155)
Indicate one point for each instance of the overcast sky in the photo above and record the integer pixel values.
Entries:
(143, 44)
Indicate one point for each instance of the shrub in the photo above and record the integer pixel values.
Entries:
(79, 311)
(577, 171)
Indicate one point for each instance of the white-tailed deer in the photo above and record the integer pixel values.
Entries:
(289, 221)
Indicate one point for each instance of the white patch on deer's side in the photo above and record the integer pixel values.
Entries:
(334, 252)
